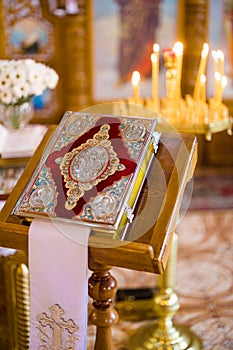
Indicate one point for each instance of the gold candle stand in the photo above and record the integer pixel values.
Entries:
(163, 334)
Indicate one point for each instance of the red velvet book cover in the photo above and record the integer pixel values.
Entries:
(90, 169)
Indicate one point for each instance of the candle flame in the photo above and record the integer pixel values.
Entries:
(154, 58)
(178, 48)
(135, 78)
(156, 47)
(220, 55)
(224, 81)
(205, 50)
(203, 79)
(217, 76)
(214, 54)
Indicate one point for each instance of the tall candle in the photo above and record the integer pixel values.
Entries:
(155, 80)
(223, 84)
(203, 87)
(201, 70)
(221, 62)
(136, 88)
(217, 86)
(215, 57)
(178, 50)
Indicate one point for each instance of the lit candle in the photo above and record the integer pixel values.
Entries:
(221, 62)
(156, 48)
(215, 57)
(155, 79)
(217, 86)
(135, 83)
(203, 87)
(201, 70)
(222, 87)
(178, 50)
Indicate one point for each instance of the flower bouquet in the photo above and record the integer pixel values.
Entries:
(20, 80)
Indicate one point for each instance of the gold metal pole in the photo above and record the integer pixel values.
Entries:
(161, 334)
(23, 306)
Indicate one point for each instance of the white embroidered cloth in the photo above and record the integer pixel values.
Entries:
(58, 258)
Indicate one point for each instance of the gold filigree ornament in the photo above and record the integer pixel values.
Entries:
(54, 331)
(87, 165)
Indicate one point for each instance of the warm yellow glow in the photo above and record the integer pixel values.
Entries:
(201, 71)
(224, 81)
(220, 54)
(214, 54)
(178, 48)
(135, 78)
(154, 58)
(135, 82)
(217, 76)
(203, 79)
(205, 50)
(221, 63)
(156, 47)
(202, 92)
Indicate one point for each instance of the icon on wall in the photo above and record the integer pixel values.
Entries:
(30, 35)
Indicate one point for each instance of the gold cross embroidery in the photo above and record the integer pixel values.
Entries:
(55, 338)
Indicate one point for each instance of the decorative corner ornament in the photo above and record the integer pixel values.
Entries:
(155, 140)
(129, 213)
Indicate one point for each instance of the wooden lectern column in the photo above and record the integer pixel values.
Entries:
(102, 288)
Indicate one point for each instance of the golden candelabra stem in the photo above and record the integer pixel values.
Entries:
(162, 334)
(23, 306)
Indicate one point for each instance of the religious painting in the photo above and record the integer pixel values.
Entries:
(123, 34)
(221, 38)
(30, 35)
(26, 33)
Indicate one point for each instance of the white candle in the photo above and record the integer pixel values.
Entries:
(221, 62)
(222, 87)
(201, 70)
(155, 79)
(217, 86)
(215, 57)
(135, 83)
(178, 50)
(203, 87)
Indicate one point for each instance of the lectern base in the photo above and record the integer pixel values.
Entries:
(152, 337)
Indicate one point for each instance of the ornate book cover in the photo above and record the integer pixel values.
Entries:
(91, 171)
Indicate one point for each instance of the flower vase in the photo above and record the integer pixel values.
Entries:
(16, 116)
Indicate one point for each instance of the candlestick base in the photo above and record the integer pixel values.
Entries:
(153, 336)
(206, 129)
(161, 334)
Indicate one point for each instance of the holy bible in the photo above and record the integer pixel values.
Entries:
(91, 171)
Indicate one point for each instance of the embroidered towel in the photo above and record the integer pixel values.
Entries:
(58, 257)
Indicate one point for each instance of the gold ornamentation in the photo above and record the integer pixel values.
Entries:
(87, 165)
(56, 338)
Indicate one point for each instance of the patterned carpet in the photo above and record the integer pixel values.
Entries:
(204, 272)
(204, 282)
(210, 192)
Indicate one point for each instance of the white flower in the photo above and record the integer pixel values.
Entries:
(22, 79)
(51, 79)
(6, 96)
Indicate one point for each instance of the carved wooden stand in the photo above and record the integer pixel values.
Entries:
(102, 289)
(149, 237)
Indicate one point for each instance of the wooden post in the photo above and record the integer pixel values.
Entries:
(102, 289)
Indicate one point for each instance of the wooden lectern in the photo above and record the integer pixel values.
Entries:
(148, 241)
